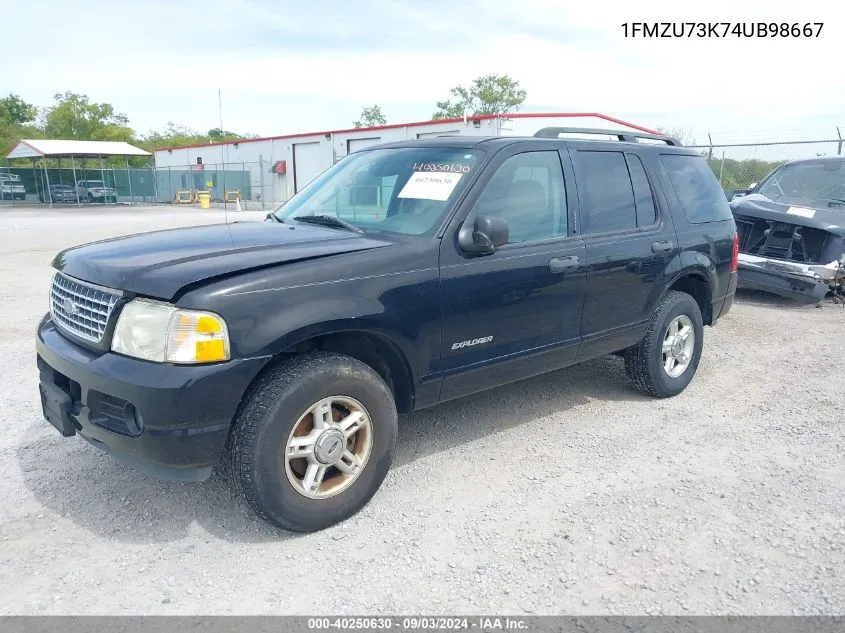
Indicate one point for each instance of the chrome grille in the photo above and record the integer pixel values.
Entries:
(80, 308)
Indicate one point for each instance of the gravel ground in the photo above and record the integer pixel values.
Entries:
(567, 493)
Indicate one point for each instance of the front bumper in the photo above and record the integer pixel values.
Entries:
(807, 283)
(170, 421)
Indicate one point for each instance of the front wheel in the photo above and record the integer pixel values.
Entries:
(664, 362)
(313, 441)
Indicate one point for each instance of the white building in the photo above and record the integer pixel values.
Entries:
(274, 168)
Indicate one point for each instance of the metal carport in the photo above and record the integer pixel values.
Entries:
(63, 149)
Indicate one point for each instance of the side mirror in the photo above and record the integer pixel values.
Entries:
(485, 236)
(751, 187)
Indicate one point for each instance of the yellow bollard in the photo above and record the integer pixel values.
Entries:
(204, 198)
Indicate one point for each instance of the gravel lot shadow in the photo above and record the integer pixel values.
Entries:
(118, 503)
(451, 424)
(749, 296)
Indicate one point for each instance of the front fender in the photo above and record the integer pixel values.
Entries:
(402, 307)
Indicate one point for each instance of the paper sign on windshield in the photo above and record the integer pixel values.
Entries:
(804, 212)
(430, 186)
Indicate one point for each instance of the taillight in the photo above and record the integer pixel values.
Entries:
(735, 255)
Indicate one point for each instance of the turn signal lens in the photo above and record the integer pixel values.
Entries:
(197, 337)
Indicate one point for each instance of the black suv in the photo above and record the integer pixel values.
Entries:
(406, 275)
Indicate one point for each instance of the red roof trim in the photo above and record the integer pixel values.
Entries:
(393, 126)
(563, 115)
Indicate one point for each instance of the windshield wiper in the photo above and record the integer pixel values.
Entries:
(328, 220)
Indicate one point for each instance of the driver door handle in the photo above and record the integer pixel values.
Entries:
(562, 264)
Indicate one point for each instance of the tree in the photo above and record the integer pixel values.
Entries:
(216, 135)
(488, 94)
(15, 115)
(738, 174)
(175, 134)
(16, 111)
(371, 116)
(678, 133)
(75, 117)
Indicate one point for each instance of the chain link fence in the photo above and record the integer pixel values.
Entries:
(246, 182)
(228, 184)
(737, 166)
(59, 185)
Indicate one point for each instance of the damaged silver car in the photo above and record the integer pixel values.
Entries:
(792, 230)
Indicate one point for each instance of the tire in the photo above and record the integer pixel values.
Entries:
(276, 407)
(90, 199)
(645, 362)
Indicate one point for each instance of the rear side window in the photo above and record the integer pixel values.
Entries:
(606, 192)
(646, 214)
(700, 195)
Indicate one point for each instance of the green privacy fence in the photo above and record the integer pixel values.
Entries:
(133, 185)
(141, 185)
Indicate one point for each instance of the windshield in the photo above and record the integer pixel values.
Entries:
(815, 181)
(401, 190)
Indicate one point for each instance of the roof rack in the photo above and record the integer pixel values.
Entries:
(623, 135)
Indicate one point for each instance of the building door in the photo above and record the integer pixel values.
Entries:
(354, 144)
(438, 134)
(306, 164)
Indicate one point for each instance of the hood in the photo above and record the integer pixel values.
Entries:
(811, 213)
(161, 263)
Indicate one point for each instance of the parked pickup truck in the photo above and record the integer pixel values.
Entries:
(11, 187)
(288, 346)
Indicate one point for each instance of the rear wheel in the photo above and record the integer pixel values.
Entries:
(313, 441)
(664, 362)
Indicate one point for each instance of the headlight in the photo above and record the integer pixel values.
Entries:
(160, 332)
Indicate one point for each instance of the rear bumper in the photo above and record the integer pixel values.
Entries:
(806, 283)
(169, 421)
(728, 301)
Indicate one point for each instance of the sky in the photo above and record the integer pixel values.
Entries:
(285, 67)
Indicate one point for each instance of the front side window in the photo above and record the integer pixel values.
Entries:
(608, 195)
(528, 192)
(405, 190)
